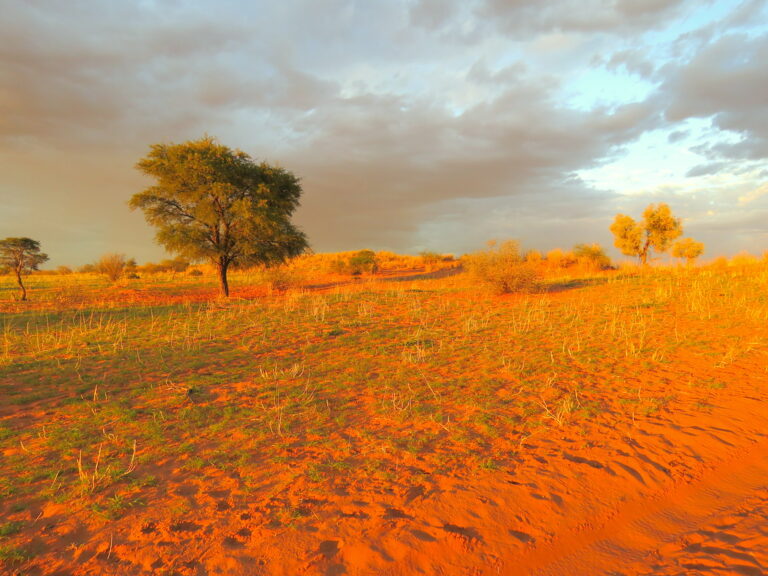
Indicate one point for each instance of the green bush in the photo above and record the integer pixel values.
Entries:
(363, 262)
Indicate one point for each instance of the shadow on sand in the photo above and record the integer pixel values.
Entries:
(390, 276)
(574, 284)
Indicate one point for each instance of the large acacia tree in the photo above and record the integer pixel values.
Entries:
(656, 231)
(21, 255)
(214, 203)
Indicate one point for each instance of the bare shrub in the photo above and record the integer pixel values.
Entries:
(281, 278)
(502, 269)
(111, 265)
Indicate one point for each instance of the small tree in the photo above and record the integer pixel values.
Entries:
(657, 231)
(21, 255)
(213, 203)
(687, 248)
(111, 265)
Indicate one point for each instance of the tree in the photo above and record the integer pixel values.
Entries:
(21, 255)
(687, 248)
(657, 230)
(214, 203)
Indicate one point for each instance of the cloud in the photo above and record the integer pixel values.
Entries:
(403, 119)
(753, 195)
(727, 81)
(524, 18)
(706, 169)
(634, 61)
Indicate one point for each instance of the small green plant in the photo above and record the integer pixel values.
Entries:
(10, 528)
(489, 464)
(315, 473)
(11, 554)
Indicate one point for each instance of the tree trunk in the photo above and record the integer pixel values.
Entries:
(222, 266)
(21, 285)
(644, 252)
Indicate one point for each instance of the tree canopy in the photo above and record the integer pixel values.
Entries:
(21, 255)
(656, 232)
(214, 203)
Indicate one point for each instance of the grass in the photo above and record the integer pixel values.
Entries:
(110, 397)
(12, 555)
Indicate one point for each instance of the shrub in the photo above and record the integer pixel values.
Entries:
(719, 263)
(177, 264)
(591, 256)
(502, 269)
(743, 258)
(362, 262)
(556, 258)
(281, 278)
(533, 256)
(111, 265)
(430, 260)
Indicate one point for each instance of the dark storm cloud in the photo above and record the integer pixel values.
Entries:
(377, 165)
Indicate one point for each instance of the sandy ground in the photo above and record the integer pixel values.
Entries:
(679, 491)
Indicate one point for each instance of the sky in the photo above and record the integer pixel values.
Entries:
(413, 124)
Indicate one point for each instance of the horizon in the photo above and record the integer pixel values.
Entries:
(414, 126)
